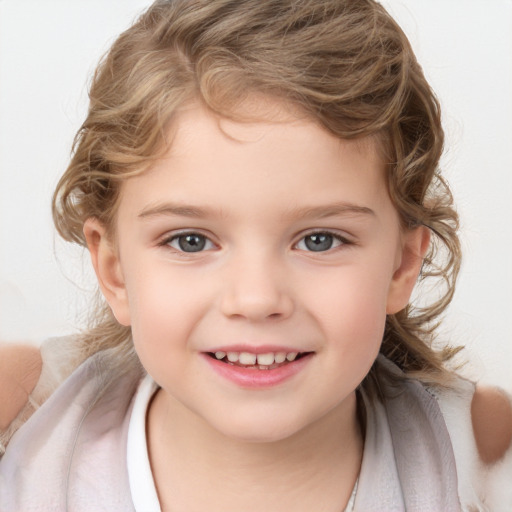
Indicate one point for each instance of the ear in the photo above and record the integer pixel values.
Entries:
(106, 263)
(415, 243)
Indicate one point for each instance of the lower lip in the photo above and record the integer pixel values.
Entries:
(254, 378)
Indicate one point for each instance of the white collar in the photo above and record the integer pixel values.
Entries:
(142, 485)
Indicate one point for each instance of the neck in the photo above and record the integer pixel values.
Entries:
(195, 467)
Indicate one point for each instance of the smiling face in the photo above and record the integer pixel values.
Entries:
(255, 264)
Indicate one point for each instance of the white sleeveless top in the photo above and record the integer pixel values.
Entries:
(142, 485)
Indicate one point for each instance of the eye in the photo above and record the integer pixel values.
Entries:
(320, 242)
(190, 242)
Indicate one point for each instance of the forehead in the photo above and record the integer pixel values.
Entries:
(257, 117)
(274, 156)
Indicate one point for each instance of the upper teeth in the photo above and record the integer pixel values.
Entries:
(248, 358)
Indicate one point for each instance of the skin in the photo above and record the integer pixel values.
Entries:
(297, 447)
(20, 367)
(256, 191)
(491, 411)
(491, 415)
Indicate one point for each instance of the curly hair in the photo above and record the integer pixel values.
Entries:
(344, 63)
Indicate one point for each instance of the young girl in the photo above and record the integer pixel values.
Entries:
(257, 184)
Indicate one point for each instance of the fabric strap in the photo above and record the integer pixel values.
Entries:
(408, 461)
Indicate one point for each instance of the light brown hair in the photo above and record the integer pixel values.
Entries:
(344, 63)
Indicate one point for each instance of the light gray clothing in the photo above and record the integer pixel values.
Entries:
(71, 454)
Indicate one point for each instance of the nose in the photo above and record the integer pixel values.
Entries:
(255, 288)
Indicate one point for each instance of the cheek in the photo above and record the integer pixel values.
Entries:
(164, 307)
(360, 328)
(353, 312)
(365, 307)
(356, 330)
(355, 292)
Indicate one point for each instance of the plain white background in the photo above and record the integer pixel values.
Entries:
(48, 50)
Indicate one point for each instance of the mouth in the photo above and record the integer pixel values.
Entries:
(266, 361)
(250, 370)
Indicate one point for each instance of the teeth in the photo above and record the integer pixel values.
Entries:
(280, 357)
(249, 359)
(266, 359)
(232, 357)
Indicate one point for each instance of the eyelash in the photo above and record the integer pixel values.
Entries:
(336, 238)
(166, 242)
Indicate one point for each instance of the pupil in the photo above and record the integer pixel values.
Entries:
(319, 242)
(191, 243)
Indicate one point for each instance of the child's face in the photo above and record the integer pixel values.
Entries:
(263, 238)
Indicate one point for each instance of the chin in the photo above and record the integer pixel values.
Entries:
(247, 430)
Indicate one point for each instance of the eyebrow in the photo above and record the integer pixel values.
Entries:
(308, 212)
(330, 210)
(177, 210)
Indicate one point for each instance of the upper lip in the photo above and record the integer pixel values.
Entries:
(256, 349)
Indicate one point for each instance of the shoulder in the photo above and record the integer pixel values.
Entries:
(491, 418)
(20, 369)
(483, 413)
(84, 424)
(479, 422)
